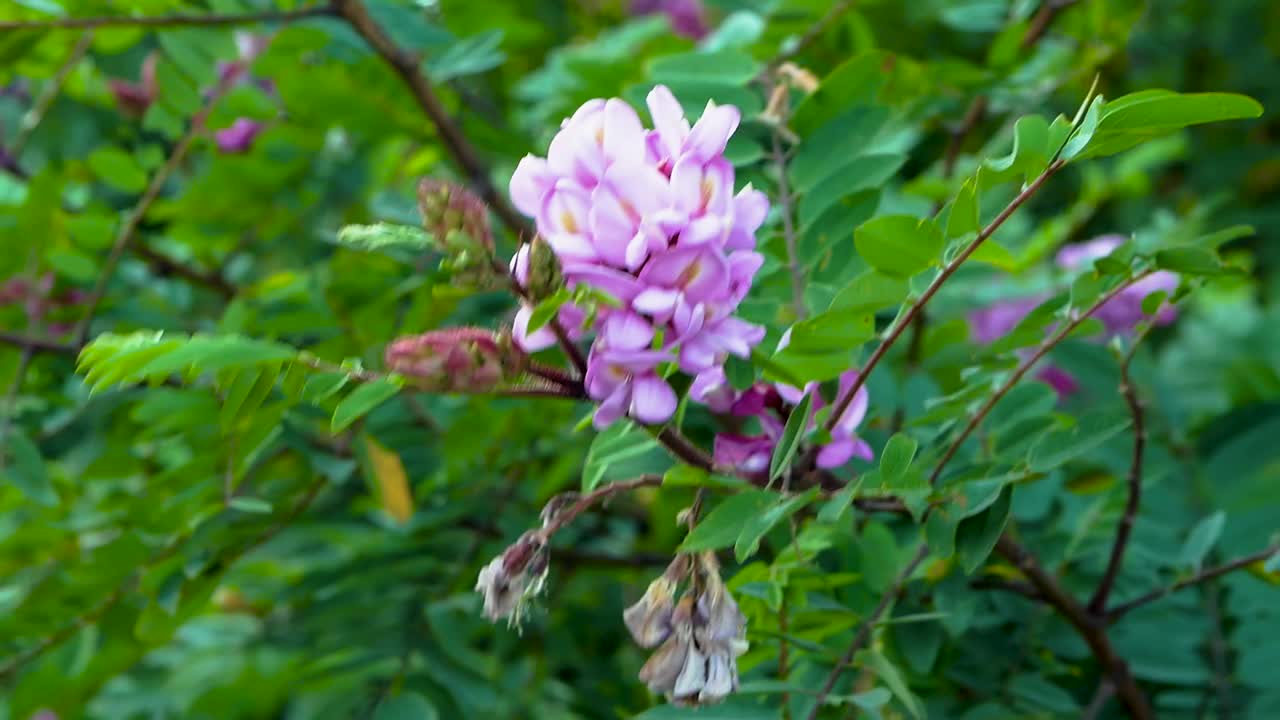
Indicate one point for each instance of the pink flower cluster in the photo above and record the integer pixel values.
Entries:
(648, 218)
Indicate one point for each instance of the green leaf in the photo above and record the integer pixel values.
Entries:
(1201, 540)
(323, 386)
(731, 67)
(832, 331)
(1041, 694)
(689, 476)
(869, 292)
(940, 531)
(177, 92)
(362, 400)
(792, 433)
(25, 468)
(468, 56)
(835, 508)
(623, 449)
(855, 82)
(755, 527)
(1084, 132)
(1190, 260)
(257, 506)
(720, 527)
(896, 457)
(892, 678)
(1133, 119)
(117, 168)
(976, 536)
(382, 236)
(836, 145)
(406, 706)
(1221, 237)
(898, 245)
(547, 309)
(963, 217)
(1030, 152)
(1090, 431)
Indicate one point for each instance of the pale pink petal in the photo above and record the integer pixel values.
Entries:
(652, 400)
(708, 137)
(530, 183)
(540, 339)
(627, 331)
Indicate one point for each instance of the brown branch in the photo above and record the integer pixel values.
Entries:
(1012, 586)
(684, 449)
(864, 632)
(1023, 369)
(955, 141)
(1090, 629)
(1098, 604)
(37, 344)
(162, 264)
(812, 34)
(405, 64)
(130, 227)
(785, 206)
(1043, 18)
(167, 21)
(1119, 611)
(947, 271)
(565, 515)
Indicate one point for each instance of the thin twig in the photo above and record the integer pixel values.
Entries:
(786, 208)
(1043, 18)
(955, 140)
(1105, 690)
(566, 515)
(947, 271)
(31, 120)
(864, 632)
(406, 65)
(1119, 611)
(813, 33)
(162, 265)
(130, 227)
(1086, 625)
(684, 449)
(1098, 603)
(37, 344)
(167, 21)
(1022, 369)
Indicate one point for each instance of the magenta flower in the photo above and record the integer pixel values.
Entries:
(649, 219)
(1120, 315)
(238, 137)
(687, 17)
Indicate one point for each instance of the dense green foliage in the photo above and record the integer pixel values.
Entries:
(215, 501)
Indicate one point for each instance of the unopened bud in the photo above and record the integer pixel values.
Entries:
(649, 620)
(455, 216)
(798, 77)
(463, 360)
(544, 277)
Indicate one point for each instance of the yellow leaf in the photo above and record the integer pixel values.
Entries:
(393, 485)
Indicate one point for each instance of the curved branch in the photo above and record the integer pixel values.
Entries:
(1022, 370)
(168, 21)
(1123, 609)
(1098, 603)
(812, 34)
(559, 517)
(864, 632)
(947, 271)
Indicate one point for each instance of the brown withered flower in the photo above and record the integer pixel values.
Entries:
(702, 637)
(513, 578)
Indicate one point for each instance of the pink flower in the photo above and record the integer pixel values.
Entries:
(239, 137)
(648, 219)
(687, 16)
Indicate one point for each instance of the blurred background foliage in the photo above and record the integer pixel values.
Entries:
(161, 556)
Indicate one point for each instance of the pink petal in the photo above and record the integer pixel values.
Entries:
(623, 139)
(540, 339)
(652, 400)
(836, 453)
(612, 408)
(656, 301)
(668, 119)
(530, 183)
(627, 331)
(711, 133)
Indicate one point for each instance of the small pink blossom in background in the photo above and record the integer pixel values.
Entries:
(1120, 315)
(238, 137)
(649, 218)
(687, 17)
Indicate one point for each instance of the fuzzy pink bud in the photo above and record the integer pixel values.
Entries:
(462, 360)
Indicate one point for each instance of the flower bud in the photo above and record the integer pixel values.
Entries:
(455, 216)
(544, 277)
(462, 360)
(513, 578)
